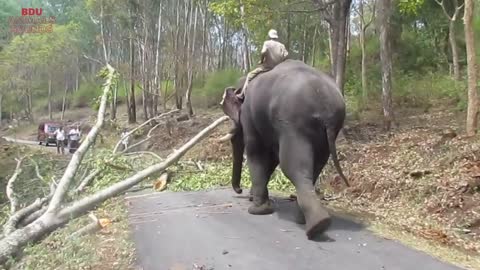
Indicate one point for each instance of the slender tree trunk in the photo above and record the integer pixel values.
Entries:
(64, 99)
(105, 55)
(158, 80)
(132, 110)
(452, 34)
(1, 114)
(454, 48)
(30, 105)
(77, 74)
(190, 68)
(386, 60)
(472, 111)
(50, 113)
(364, 57)
(246, 53)
(176, 78)
(304, 40)
(114, 103)
(314, 45)
(288, 28)
(204, 41)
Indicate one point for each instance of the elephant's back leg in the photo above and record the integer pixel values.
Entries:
(298, 163)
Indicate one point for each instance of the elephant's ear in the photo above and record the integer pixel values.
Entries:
(231, 104)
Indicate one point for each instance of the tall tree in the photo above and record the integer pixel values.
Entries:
(472, 111)
(452, 19)
(384, 25)
(337, 14)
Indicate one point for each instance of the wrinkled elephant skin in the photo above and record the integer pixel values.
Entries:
(290, 117)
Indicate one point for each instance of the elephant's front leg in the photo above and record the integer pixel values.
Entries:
(261, 167)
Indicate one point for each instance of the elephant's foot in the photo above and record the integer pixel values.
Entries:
(317, 224)
(298, 215)
(263, 209)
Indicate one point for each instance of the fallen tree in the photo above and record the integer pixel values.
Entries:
(58, 210)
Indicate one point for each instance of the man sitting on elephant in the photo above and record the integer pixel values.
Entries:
(272, 54)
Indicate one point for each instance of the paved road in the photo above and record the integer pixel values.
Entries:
(213, 230)
(35, 144)
(20, 141)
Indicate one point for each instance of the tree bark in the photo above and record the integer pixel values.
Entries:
(158, 80)
(204, 41)
(132, 110)
(1, 114)
(50, 114)
(452, 35)
(190, 68)
(246, 53)
(472, 111)
(64, 101)
(113, 116)
(386, 61)
(454, 48)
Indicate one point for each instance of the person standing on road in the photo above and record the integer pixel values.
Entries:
(60, 136)
(74, 137)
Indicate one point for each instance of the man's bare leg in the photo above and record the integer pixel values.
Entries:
(251, 75)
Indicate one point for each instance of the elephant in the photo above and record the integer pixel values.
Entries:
(290, 117)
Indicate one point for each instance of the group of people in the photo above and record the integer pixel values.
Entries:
(74, 135)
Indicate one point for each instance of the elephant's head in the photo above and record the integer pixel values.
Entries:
(232, 107)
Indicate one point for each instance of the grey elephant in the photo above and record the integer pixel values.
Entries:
(291, 117)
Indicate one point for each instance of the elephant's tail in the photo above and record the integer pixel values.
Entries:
(333, 150)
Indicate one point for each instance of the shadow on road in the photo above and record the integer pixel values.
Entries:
(286, 210)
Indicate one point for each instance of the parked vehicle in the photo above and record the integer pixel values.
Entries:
(46, 133)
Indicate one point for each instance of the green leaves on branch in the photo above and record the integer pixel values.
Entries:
(410, 6)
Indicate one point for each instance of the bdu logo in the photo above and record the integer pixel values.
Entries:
(31, 11)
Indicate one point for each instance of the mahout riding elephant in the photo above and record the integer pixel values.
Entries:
(291, 117)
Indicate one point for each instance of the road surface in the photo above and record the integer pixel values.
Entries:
(212, 230)
(50, 147)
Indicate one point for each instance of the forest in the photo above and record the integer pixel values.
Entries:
(407, 69)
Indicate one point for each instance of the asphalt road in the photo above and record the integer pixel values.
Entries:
(212, 230)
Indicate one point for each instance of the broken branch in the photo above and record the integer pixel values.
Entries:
(77, 157)
(10, 193)
(142, 125)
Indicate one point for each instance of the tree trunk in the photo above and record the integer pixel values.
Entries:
(338, 39)
(77, 74)
(314, 45)
(204, 41)
(50, 114)
(176, 78)
(386, 61)
(64, 99)
(454, 48)
(246, 53)
(1, 114)
(132, 110)
(364, 56)
(114, 103)
(472, 111)
(304, 41)
(158, 80)
(190, 68)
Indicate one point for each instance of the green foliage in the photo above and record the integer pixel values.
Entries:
(410, 6)
(215, 84)
(218, 175)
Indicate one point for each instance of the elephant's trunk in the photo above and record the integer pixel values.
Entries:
(237, 149)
